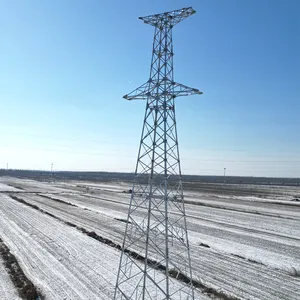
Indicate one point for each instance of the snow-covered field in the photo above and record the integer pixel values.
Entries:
(246, 248)
(62, 262)
(7, 289)
(7, 188)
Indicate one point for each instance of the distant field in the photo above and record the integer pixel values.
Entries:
(245, 238)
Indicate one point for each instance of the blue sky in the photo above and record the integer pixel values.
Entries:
(65, 65)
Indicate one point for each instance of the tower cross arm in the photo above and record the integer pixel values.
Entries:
(150, 90)
(183, 90)
(170, 18)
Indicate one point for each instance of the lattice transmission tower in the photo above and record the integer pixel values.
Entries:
(155, 261)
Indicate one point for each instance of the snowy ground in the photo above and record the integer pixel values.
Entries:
(7, 188)
(7, 289)
(252, 245)
(61, 261)
(268, 240)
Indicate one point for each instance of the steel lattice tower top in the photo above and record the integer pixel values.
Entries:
(155, 253)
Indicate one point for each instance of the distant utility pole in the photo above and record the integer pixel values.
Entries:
(224, 175)
(52, 175)
(155, 248)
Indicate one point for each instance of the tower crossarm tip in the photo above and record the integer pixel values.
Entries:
(140, 93)
(168, 19)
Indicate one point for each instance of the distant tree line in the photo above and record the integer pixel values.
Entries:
(115, 176)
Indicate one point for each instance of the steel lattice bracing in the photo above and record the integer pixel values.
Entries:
(155, 247)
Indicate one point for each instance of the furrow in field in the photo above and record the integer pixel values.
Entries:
(7, 188)
(29, 185)
(108, 238)
(7, 288)
(25, 288)
(248, 221)
(59, 259)
(255, 207)
(265, 246)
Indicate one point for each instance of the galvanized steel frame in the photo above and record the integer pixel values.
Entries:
(155, 248)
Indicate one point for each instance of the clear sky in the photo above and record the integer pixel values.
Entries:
(65, 65)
